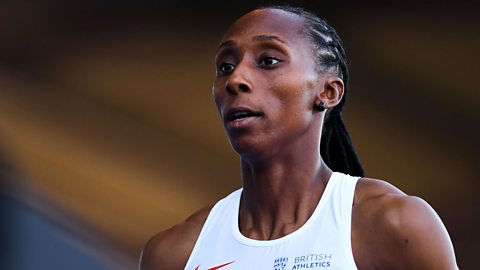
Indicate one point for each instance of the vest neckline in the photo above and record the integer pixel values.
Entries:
(253, 242)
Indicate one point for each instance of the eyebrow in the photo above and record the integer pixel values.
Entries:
(259, 38)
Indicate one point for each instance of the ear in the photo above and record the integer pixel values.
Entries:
(332, 92)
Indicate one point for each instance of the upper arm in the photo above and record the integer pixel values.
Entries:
(413, 235)
(391, 230)
(421, 235)
(160, 252)
(170, 249)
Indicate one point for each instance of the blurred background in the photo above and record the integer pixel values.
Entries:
(109, 134)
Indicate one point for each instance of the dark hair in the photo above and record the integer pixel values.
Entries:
(336, 147)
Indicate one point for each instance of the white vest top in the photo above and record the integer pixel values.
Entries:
(323, 242)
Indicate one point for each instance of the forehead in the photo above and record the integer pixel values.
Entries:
(287, 26)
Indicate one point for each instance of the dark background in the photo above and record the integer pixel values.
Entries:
(108, 131)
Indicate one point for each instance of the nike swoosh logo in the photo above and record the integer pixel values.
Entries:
(217, 267)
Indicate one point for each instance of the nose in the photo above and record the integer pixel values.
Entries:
(238, 81)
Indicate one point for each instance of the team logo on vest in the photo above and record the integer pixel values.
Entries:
(280, 263)
(312, 261)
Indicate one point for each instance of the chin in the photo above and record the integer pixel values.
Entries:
(246, 147)
(250, 148)
(243, 148)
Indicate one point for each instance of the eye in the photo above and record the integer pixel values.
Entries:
(269, 61)
(225, 68)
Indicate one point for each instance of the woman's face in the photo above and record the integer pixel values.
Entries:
(266, 81)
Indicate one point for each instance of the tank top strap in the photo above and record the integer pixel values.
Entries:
(343, 186)
(221, 211)
(340, 207)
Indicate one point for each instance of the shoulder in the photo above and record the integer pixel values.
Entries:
(171, 248)
(393, 230)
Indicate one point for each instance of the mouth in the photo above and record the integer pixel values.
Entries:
(240, 114)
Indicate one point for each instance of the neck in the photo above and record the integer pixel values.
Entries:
(281, 192)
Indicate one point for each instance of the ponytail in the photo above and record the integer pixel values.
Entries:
(336, 147)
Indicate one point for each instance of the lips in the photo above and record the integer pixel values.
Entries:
(237, 115)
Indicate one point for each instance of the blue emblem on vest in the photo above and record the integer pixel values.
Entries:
(280, 263)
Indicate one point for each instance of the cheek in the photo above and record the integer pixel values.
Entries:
(293, 91)
(293, 104)
(217, 94)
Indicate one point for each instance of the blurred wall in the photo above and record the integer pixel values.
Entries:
(106, 109)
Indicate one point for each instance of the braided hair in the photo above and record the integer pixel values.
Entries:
(336, 147)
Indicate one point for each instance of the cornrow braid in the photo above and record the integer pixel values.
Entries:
(336, 147)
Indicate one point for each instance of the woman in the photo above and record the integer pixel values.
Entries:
(280, 87)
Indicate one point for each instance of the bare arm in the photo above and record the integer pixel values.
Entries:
(419, 235)
(395, 231)
(170, 249)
